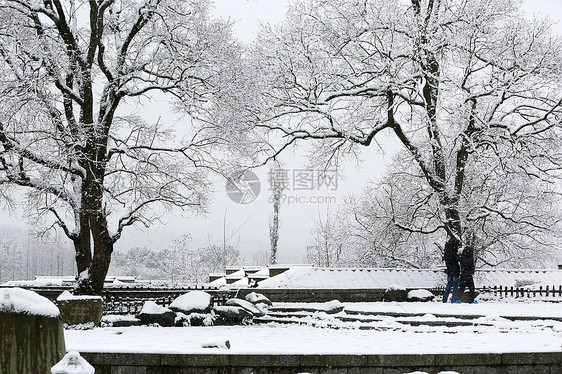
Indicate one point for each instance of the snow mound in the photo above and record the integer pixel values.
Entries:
(110, 318)
(18, 300)
(73, 363)
(150, 307)
(194, 301)
(219, 343)
(332, 307)
(420, 295)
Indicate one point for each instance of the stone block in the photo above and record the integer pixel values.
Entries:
(195, 360)
(468, 359)
(395, 360)
(370, 370)
(125, 359)
(77, 310)
(199, 371)
(532, 358)
(101, 369)
(533, 369)
(344, 361)
(128, 370)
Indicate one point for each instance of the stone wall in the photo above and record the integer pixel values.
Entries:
(224, 363)
(307, 295)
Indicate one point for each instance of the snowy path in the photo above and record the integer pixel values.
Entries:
(489, 334)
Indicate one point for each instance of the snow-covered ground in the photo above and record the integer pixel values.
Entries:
(490, 333)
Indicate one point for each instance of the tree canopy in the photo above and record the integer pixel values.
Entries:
(471, 89)
(72, 73)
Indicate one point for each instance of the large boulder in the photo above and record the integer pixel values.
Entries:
(31, 332)
(192, 302)
(153, 313)
(232, 315)
(246, 305)
(257, 298)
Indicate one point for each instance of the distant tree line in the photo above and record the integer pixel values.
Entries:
(179, 263)
(24, 254)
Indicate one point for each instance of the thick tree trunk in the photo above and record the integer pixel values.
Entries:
(93, 227)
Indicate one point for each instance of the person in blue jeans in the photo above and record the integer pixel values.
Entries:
(453, 269)
(467, 272)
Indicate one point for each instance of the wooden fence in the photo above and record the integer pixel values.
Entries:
(519, 292)
(515, 292)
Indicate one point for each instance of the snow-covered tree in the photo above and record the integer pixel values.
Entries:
(515, 219)
(72, 75)
(277, 186)
(465, 86)
(333, 243)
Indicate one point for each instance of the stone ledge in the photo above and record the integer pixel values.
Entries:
(532, 358)
(123, 359)
(228, 360)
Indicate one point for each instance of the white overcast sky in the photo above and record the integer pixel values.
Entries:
(247, 225)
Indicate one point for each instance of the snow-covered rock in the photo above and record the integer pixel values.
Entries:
(264, 308)
(154, 313)
(332, 307)
(420, 295)
(73, 363)
(194, 301)
(246, 305)
(230, 315)
(18, 300)
(219, 343)
(195, 319)
(257, 298)
(114, 320)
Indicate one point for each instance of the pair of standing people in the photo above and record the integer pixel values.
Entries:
(460, 269)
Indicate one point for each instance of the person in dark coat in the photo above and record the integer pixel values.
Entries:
(453, 269)
(467, 271)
